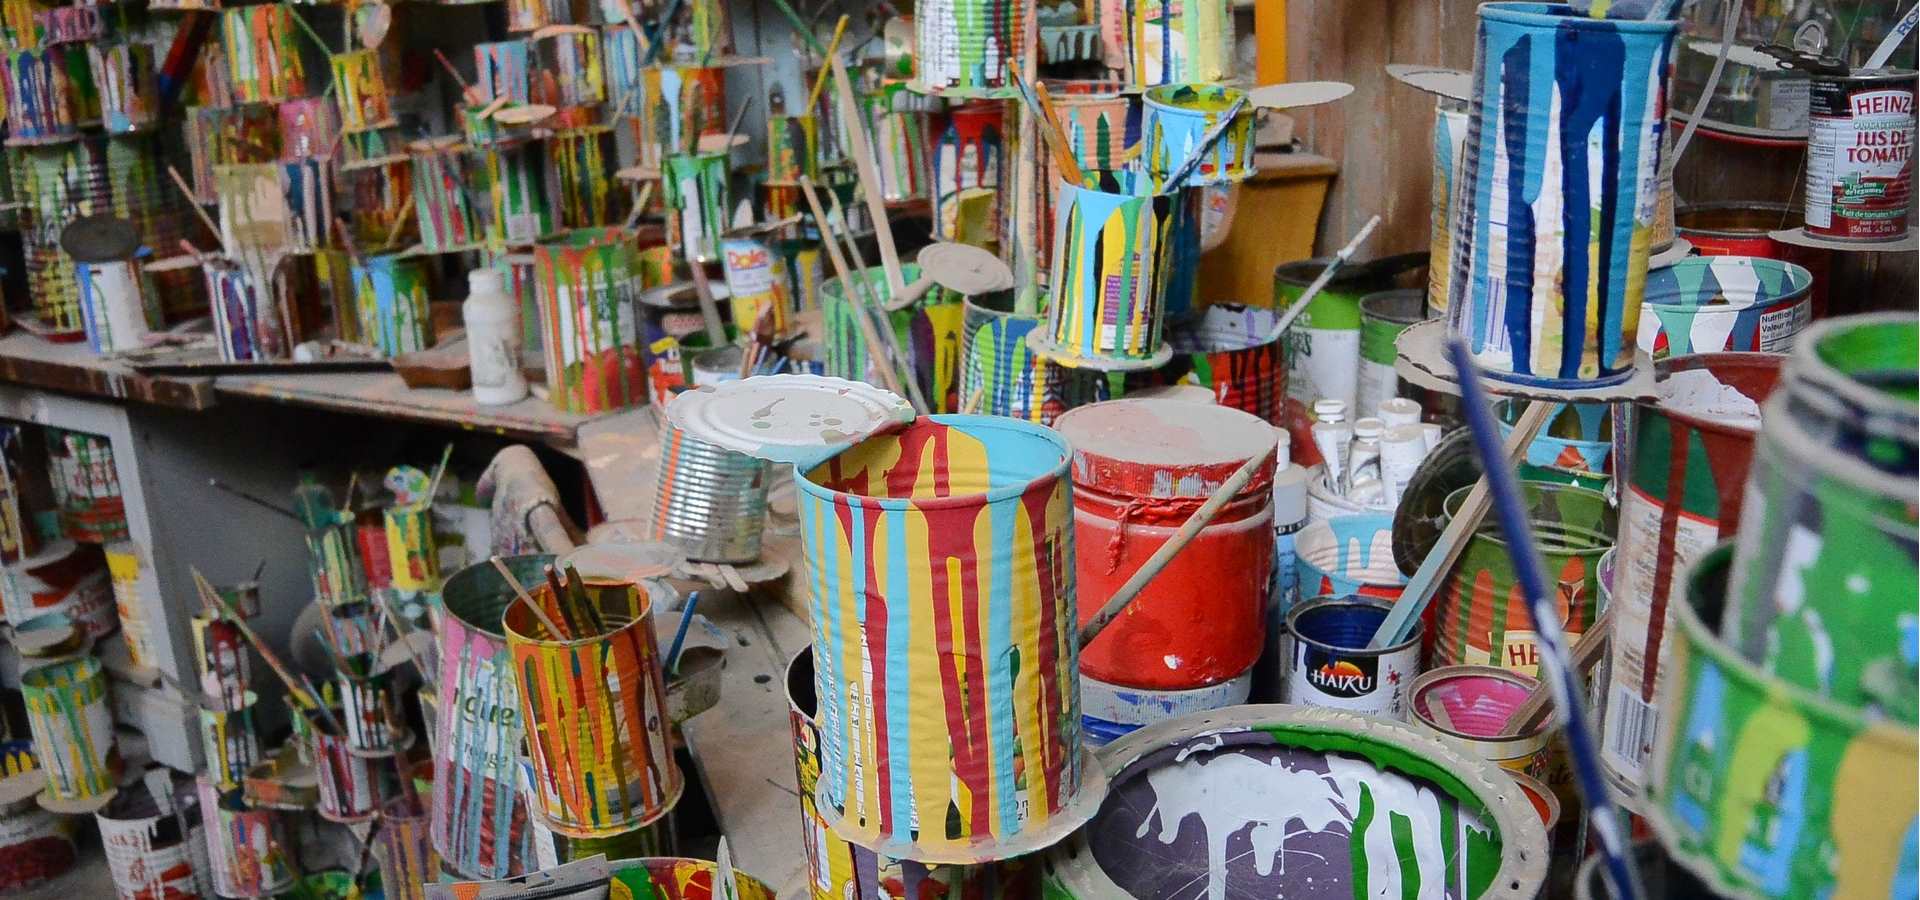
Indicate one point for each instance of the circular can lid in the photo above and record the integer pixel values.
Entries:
(964, 269)
(788, 418)
(625, 562)
(1452, 84)
(1162, 448)
(100, 239)
(1298, 93)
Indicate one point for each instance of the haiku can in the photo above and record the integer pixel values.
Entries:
(1332, 667)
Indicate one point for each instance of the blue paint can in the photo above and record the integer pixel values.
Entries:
(1330, 666)
(1110, 711)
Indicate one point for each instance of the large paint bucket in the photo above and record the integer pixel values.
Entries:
(479, 823)
(1682, 495)
(928, 332)
(1724, 303)
(965, 517)
(1449, 143)
(1114, 264)
(1153, 42)
(1227, 348)
(1767, 789)
(247, 847)
(695, 186)
(390, 295)
(970, 156)
(965, 48)
(596, 714)
(1323, 345)
(1745, 229)
(1473, 706)
(1550, 251)
(1001, 376)
(86, 487)
(147, 848)
(709, 502)
(72, 730)
(1109, 712)
(1827, 551)
(1178, 116)
(1383, 315)
(228, 739)
(1328, 791)
(1347, 554)
(1140, 469)
(676, 878)
(1331, 666)
(1481, 616)
(587, 285)
(838, 870)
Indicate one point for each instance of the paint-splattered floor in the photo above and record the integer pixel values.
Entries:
(87, 880)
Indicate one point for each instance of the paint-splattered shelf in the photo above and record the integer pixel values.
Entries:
(383, 395)
(71, 368)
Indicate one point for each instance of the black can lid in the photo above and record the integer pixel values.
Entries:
(100, 239)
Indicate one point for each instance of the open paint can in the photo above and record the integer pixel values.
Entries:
(1712, 304)
(1473, 705)
(1348, 554)
(1227, 348)
(1110, 711)
(1179, 116)
(1154, 42)
(1001, 376)
(72, 730)
(1113, 271)
(1331, 666)
(148, 846)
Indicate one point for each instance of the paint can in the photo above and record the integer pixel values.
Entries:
(333, 559)
(994, 534)
(247, 847)
(44, 104)
(522, 208)
(72, 733)
(308, 128)
(1350, 553)
(1683, 494)
(1323, 345)
(123, 74)
(1724, 303)
(391, 297)
(36, 846)
(412, 551)
(756, 282)
(114, 304)
(1227, 349)
(1449, 142)
(1860, 132)
(1744, 229)
(1151, 42)
(1178, 116)
(1472, 705)
(596, 714)
(1544, 293)
(1114, 271)
(586, 288)
(244, 320)
(53, 581)
(969, 156)
(123, 569)
(928, 332)
(897, 130)
(479, 821)
(228, 739)
(1383, 315)
(1331, 667)
(19, 500)
(147, 845)
(1140, 469)
(1300, 782)
(679, 104)
(1480, 615)
(793, 149)
(583, 176)
(571, 55)
(1575, 447)
(1100, 123)
(836, 869)
(696, 189)
(351, 629)
(407, 861)
(263, 53)
(370, 713)
(656, 838)
(348, 792)
(1765, 788)
(446, 192)
(1826, 557)
(86, 486)
(1000, 376)
(963, 48)
(533, 15)
(360, 91)
(1109, 712)
(223, 659)
(709, 503)
(679, 878)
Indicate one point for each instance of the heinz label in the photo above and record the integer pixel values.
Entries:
(1860, 158)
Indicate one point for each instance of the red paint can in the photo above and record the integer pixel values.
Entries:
(370, 532)
(1140, 469)
(1742, 228)
(1860, 130)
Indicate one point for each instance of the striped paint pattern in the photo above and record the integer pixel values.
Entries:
(1110, 251)
(479, 823)
(263, 54)
(72, 729)
(941, 572)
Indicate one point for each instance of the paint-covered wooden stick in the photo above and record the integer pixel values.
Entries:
(538, 613)
(1425, 582)
(1586, 653)
(868, 334)
(1040, 105)
(1191, 164)
(296, 687)
(194, 202)
(820, 78)
(709, 308)
(1180, 539)
(1319, 284)
(869, 176)
(861, 292)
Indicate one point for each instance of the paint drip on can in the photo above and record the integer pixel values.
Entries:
(1860, 155)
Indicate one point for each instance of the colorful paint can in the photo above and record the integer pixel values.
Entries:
(838, 870)
(969, 156)
(1826, 553)
(1683, 494)
(677, 878)
(596, 714)
(1724, 303)
(446, 194)
(1480, 616)
(1449, 158)
(51, 581)
(1575, 446)
(1109, 712)
(123, 569)
(479, 820)
(897, 129)
(1546, 278)
(793, 149)
(360, 91)
(709, 502)
(222, 658)
(72, 730)
(586, 286)
(411, 549)
(1860, 132)
(333, 559)
(1153, 42)
(1322, 789)
(1179, 116)
(86, 487)
(370, 712)
(1100, 123)
(928, 332)
(1323, 345)
(1473, 705)
(1768, 789)
(571, 55)
(521, 202)
(228, 739)
(696, 190)
(1228, 351)
(1383, 315)
(263, 53)
(43, 102)
(678, 105)
(391, 298)
(147, 846)
(757, 282)
(36, 846)
(129, 91)
(1745, 229)
(19, 537)
(966, 516)
(407, 861)
(964, 48)
(1140, 469)
(583, 176)
(1000, 376)
(1349, 553)
(346, 781)
(247, 847)
(1331, 667)
(245, 323)
(1114, 267)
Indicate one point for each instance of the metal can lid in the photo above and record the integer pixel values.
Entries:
(1162, 448)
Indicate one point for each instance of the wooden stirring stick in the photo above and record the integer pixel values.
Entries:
(538, 613)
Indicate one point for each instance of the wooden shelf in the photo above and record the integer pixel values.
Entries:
(33, 361)
(384, 395)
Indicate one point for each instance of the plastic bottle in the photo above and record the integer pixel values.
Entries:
(493, 339)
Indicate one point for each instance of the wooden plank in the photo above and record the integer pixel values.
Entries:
(384, 395)
(33, 361)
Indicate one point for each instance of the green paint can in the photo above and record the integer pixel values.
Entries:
(1383, 315)
(1323, 345)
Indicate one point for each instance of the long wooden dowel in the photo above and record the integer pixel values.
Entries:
(295, 686)
(1453, 540)
(875, 349)
(869, 176)
(820, 78)
(896, 354)
(1188, 530)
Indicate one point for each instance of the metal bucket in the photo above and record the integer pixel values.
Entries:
(147, 850)
(1683, 494)
(838, 870)
(1767, 789)
(709, 502)
(966, 517)
(1227, 347)
(1178, 116)
(1383, 315)
(1114, 271)
(1480, 616)
(1140, 469)
(1000, 376)
(1321, 788)
(1473, 705)
(1523, 289)
(72, 729)
(479, 822)
(928, 332)
(1331, 667)
(348, 792)
(1153, 42)
(1724, 303)
(587, 286)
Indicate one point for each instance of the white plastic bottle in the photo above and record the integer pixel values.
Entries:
(493, 339)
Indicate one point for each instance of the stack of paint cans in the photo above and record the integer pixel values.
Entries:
(35, 845)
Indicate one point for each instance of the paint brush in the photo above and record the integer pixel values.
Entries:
(194, 203)
(577, 591)
(869, 176)
(639, 207)
(448, 65)
(399, 222)
(561, 601)
(733, 128)
(1319, 284)
(868, 334)
(433, 484)
(553, 629)
(1191, 164)
(1049, 124)
(1189, 529)
(680, 633)
(660, 26)
(820, 78)
(1557, 667)
(799, 27)
(294, 685)
(219, 485)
